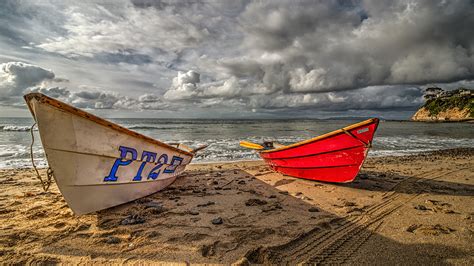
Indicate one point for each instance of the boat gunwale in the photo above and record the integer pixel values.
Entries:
(314, 154)
(324, 136)
(91, 117)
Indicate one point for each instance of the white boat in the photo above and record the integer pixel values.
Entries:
(98, 164)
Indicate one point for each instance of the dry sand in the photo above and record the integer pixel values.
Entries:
(400, 210)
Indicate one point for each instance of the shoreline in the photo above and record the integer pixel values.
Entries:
(418, 209)
(198, 163)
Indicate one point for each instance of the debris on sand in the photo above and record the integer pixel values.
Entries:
(132, 219)
(255, 202)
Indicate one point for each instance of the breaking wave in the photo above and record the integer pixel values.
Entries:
(140, 127)
(15, 128)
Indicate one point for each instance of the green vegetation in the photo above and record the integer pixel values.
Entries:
(441, 104)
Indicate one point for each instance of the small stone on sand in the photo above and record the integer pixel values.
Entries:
(217, 221)
(209, 203)
(132, 219)
(421, 208)
(112, 240)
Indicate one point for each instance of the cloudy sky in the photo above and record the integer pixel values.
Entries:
(231, 59)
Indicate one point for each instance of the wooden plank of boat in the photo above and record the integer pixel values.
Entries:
(333, 157)
(98, 164)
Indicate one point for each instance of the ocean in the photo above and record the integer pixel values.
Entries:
(223, 136)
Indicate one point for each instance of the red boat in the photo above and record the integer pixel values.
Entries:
(333, 157)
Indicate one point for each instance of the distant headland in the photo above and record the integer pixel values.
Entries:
(443, 106)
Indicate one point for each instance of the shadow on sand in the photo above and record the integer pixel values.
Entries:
(376, 181)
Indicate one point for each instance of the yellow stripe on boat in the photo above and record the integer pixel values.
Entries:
(251, 145)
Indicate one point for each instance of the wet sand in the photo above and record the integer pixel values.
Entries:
(400, 210)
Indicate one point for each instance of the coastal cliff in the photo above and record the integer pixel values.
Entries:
(457, 105)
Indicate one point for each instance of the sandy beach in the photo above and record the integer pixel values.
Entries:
(415, 209)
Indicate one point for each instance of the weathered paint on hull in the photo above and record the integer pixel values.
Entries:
(98, 164)
(333, 157)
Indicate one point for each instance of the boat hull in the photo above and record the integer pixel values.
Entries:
(98, 164)
(333, 157)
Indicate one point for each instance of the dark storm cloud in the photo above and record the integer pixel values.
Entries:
(321, 55)
(369, 98)
(320, 47)
(129, 57)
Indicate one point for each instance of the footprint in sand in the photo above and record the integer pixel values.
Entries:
(15, 203)
(209, 250)
(82, 227)
(5, 210)
(37, 214)
(283, 182)
(439, 206)
(433, 230)
(59, 225)
(255, 202)
(112, 240)
(188, 237)
(153, 234)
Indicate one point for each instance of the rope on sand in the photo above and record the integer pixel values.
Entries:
(45, 184)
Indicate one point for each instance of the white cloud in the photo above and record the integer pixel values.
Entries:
(230, 88)
(93, 30)
(301, 81)
(184, 86)
(149, 98)
(16, 77)
(153, 102)
(55, 92)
